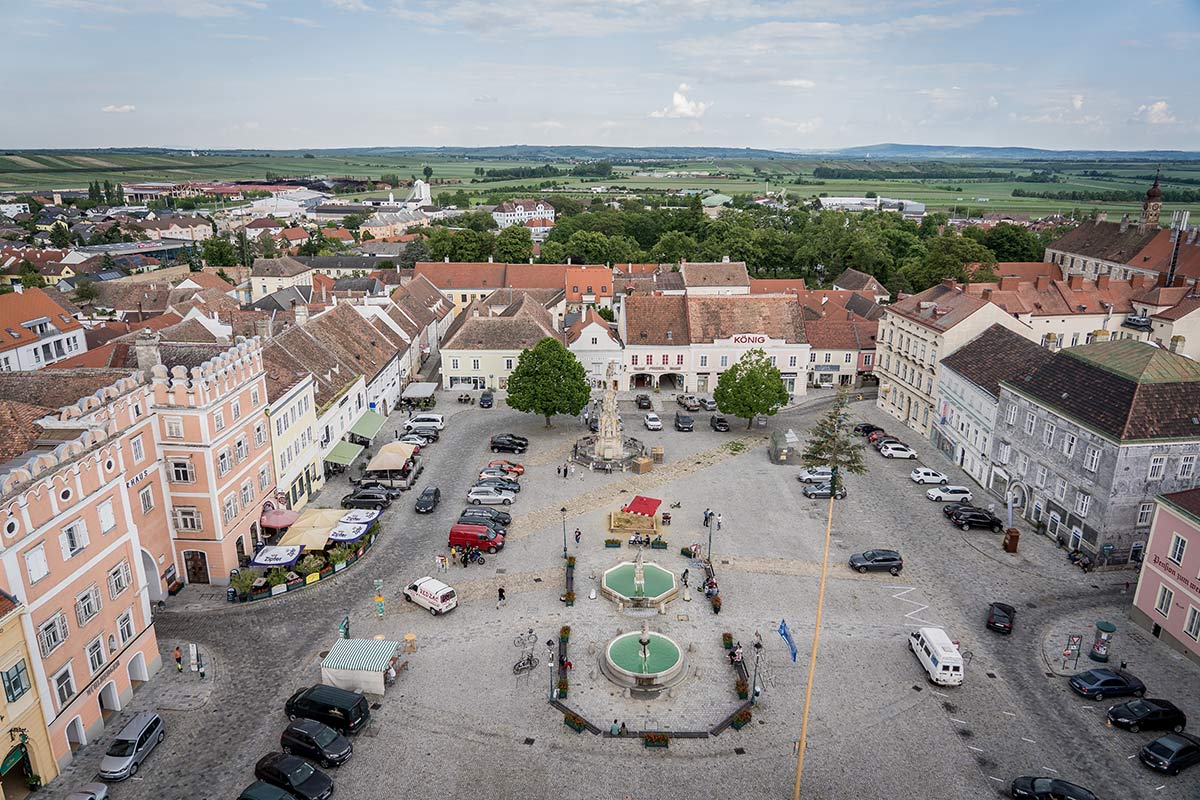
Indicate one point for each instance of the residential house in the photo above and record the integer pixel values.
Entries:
(374, 351)
(36, 332)
(715, 278)
(28, 751)
(1086, 441)
(1178, 328)
(588, 286)
(293, 237)
(842, 347)
(853, 280)
(195, 229)
(1167, 598)
(269, 275)
(263, 226)
(540, 228)
(295, 445)
(518, 212)
(480, 351)
(594, 342)
(1171, 257)
(385, 224)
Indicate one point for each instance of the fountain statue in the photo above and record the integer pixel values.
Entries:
(644, 641)
(639, 576)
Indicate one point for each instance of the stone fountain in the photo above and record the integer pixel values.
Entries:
(609, 449)
(646, 663)
(638, 584)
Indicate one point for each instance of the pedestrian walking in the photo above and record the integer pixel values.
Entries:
(453, 554)
(718, 522)
(578, 535)
(566, 473)
(707, 517)
(178, 660)
(500, 598)
(558, 471)
(684, 577)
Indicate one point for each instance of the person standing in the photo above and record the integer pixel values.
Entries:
(178, 659)
(500, 598)
(707, 517)
(578, 535)
(718, 522)
(558, 471)
(684, 577)
(453, 554)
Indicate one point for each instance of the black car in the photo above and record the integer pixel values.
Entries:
(294, 774)
(1172, 753)
(508, 443)
(888, 560)
(311, 739)
(684, 422)
(488, 513)
(950, 509)
(643, 401)
(866, 428)
(487, 400)
(499, 483)
(491, 524)
(1028, 786)
(427, 432)
(1097, 684)
(428, 500)
(718, 423)
(1001, 617)
(1147, 715)
(367, 498)
(969, 518)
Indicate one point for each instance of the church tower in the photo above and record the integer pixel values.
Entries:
(1152, 205)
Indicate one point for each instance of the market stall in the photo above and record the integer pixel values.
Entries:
(359, 664)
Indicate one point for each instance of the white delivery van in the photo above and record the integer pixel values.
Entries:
(938, 655)
(432, 594)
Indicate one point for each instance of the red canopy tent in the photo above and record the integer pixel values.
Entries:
(642, 506)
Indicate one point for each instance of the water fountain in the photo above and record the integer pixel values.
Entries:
(646, 663)
(608, 450)
(638, 584)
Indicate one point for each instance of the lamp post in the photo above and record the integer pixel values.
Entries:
(758, 656)
(550, 664)
(709, 525)
(563, 511)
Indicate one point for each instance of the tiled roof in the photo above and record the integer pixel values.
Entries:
(657, 319)
(340, 234)
(1027, 270)
(841, 331)
(344, 331)
(648, 282)
(1181, 309)
(509, 206)
(854, 279)
(1047, 297)
(16, 309)
(263, 224)
(55, 388)
(294, 353)
(1125, 389)
(776, 285)
(1105, 241)
(712, 318)
(63, 301)
(536, 276)
(996, 354)
(1164, 295)
(507, 297)
(189, 354)
(939, 307)
(523, 325)
(1156, 255)
(191, 330)
(146, 298)
(1187, 501)
(464, 275)
(712, 274)
(18, 421)
(294, 234)
(172, 222)
(207, 280)
(590, 317)
(282, 267)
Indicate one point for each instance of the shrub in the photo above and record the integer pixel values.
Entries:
(613, 542)
(243, 580)
(741, 718)
(339, 554)
(742, 687)
(655, 738)
(309, 564)
(727, 639)
(569, 597)
(277, 576)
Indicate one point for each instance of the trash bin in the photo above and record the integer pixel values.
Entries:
(231, 594)
(1011, 537)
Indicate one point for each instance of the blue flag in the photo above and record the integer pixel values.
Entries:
(787, 637)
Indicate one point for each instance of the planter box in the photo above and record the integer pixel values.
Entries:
(325, 573)
(295, 583)
(744, 695)
(657, 744)
(561, 694)
(280, 589)
(612, 544)
(569, 602)
(658, 545)
(737, 725)
(338, 567)
(351, 559)
(258, 594)
(577, 727)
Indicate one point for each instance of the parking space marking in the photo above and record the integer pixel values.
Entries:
(959, 721)
(1132, 756)
(919, 606)
(1009, 713)
(940, 694)
(994, 778)
(1047, 769)
(1031, 741)
(1157, 788)
(976, 749)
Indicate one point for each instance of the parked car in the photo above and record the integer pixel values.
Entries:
(492, 514)
(343, 710)
(866, 428)
(688, 402)
(487, 400)
(425, 419)
(490, 524)
(294, 774)
(261, 790)
(593, 423)
(426, 431)
(375, 486)
(428, 500)
(1172, 753)
(474, 534)
(416, 440)
(707, 403)
(1001, 617)
(969, 518)
(1035, 788)
(822, 491)
(510, 466)
(500, 483)
(684, 422)
(896, 450)
(1147, 715)
(718, 423)
(367, 498)
(883, 440)
(643, 401)
(927, 475)
(488, 495)
(950, 509)
(944, 493)
(508, 443)
(652, 422)
(132, 744)
(92, 791)
(315, 741)
(876, 435)
(1097, 684)
(432, 594)
(815, 475)
(875, 560)
(497, 472)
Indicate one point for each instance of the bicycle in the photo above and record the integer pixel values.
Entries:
(526, 639)
(527, 663)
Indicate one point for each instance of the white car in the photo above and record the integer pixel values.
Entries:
(927, 475)
(414, 438)
(487, 496)
(815, 475)
(896, 450)
(951, 493)
(652, 422)
(90, 791)
(435, 421)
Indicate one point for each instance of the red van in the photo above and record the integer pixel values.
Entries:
(481, 536)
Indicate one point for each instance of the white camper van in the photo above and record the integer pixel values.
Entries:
(938, 655)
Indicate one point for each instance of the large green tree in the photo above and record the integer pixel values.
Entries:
(514, 245)
(1013, 243)
(548, 380)
(752, 386)
(672, 247)
(588, 247)
(832, 443)
(414, 251)
(219, 252)
(60, 236)
(472, 245)
(85, 291)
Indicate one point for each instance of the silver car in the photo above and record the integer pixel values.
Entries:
(131, 746)
(486, 495)
(815, 475)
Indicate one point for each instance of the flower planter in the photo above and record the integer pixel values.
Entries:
(656, 740)
(686, 552)
(292, 584)
(570, 602)
(743, 694)
(280, 589)
(727, 641)
(351, 559)
(738, 724)
(258, 593)
(326, 572)
(338, 567)
(576, 725)
(658, 545)
(612, 543)
(562, 694)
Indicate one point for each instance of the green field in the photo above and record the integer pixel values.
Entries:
(25, 171)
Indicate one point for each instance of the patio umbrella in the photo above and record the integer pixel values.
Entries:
(278, 518)
(275, 556)
(360, 516)
(347, 532)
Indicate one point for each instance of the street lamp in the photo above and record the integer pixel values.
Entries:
(709, 525)
(563, 511)
(551, 665)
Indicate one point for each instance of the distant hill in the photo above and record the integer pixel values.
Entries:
(891, 151)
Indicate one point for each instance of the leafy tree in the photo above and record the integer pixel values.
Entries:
(831, 442)
(120, 194)
(472, 245)
(752, 386)
(414, 251)
(427, 172)
(673, 247)
(267, 248)
(315, 244)
(474, 220)
(553, 253)
(391, 179)
(605, 313)
(548, 380)
(587, 247)
(60, 236)
(353, 222)
(245, 249)
(85, 291)
(514, 245)
(1013, 243)
(94, 193)
(947, 256)
(218, 252)
(191, 257)
(107, 262)
(110, 196)
(441, 243)
(30, 277)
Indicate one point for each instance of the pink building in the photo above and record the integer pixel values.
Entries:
(1167, 600)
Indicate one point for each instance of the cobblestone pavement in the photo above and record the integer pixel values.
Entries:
(458, 723)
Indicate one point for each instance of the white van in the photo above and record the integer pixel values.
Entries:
(432, 594)
(938, 655)
(425, 420)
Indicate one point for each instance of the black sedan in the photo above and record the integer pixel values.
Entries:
(718, 423)
(977, 518)
(508, 443)
(428, 500)
(1172, 753)
(376, 486)
(877, 560)
(866, 428)
(950, 509)
(294, 774)
(1001, 617)
(1147, 715)
(1097, 684)
(487, 400)
(1028, 786)
(315, 741)
(643, 401)
(367, 498)
(489, 513)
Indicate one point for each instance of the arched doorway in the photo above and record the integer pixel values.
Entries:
(15, 769)
(110, 700)
(672, 381)
(1020, 497)
(642, 380)
(76, 735)
(153, 582)
(195, 563)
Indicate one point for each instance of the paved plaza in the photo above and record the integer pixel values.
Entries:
(458, 723)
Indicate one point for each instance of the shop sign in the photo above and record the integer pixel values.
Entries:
(141, 476)
(747, 338)
(827, 367)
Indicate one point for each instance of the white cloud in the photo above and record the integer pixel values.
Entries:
(240, 37)
(349, 5)
(794, 83)
(190, 9)
(487, 98)
(802, 126)
(1157, 113)
(123, 109)
(549, 125)
(1077, 102)
(681, 106)
(992, 102)
(303, 22)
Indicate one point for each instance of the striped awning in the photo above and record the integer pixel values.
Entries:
(367, 655)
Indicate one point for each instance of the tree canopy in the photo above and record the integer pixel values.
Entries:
(831, 442)
(548, 380)
(752, 386)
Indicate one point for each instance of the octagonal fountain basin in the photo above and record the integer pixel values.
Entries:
(619, 584)
(646, 673)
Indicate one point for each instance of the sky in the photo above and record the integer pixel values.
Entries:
(780, 74)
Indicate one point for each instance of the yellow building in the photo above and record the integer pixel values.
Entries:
(27, 744)
(480, 351)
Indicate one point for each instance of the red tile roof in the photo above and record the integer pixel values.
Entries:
(17, 420)
(1187, 501)
(939, 307)
(1156, 256)
(17, 308)
(1046, 297)
(776, 285)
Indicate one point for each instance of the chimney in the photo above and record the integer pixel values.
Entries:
(301, 312)
(391, 198)
(446, 259)
(950, 283)
(1042, 283)
(1100, 335)
(489, 259)
(1075, 281)
(724, 259)
(1010, 283)
(1177, 343)
(1051, 341)
(1103, 281)
(987, 294)
(262, 328)
(145, 348)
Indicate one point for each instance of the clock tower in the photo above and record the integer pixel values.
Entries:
(1152, 205)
